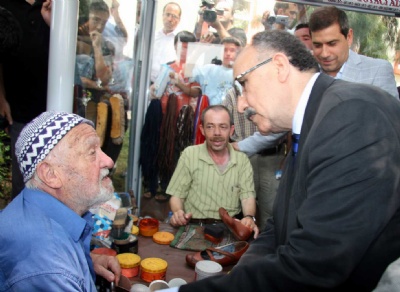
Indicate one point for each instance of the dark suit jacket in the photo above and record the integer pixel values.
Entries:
(336, 222)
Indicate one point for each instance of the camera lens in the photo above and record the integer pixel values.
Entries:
(271, 19)
(209, 15)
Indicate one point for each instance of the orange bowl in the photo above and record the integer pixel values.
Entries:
(148, 226)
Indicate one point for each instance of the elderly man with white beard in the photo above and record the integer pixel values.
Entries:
(46, 230)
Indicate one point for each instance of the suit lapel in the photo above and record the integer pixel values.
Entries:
(351, 71)
(289, 185)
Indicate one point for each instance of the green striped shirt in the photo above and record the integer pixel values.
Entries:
(205, 189)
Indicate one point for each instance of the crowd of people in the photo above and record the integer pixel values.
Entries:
(293, 133)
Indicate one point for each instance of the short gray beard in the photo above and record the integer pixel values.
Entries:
(104, 194)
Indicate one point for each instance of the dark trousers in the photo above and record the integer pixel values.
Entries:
(17, 179)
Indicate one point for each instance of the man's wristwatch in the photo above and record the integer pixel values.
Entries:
(252, 217)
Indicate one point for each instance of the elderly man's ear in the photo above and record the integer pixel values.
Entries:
(49, 175)
(282, 65)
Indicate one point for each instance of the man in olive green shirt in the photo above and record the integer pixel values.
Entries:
(213, 175)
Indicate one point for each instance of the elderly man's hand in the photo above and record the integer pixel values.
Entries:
(107, 267)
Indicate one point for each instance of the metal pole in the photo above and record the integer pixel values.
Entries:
(139, 100)
(63, 32)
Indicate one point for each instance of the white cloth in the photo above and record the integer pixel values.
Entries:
(302, 104)
(163, 52)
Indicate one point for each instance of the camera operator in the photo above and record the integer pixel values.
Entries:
(274, 22)
(285, 16)
(217, 16)
(288, 9)
(264, 20)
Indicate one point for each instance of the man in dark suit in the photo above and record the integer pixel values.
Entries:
(336, 220)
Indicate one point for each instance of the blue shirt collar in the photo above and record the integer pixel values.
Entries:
(59, 212)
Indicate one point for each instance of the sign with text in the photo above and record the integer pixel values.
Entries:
(384, 7)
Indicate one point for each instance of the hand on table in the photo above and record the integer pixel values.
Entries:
(180, 218)
(251, 224)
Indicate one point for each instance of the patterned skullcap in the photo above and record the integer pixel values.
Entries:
(40, 136)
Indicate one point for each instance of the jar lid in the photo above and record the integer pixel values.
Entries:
(128, 260)
(154, 265)
(163, 237)
(208, 267)
(129, 239)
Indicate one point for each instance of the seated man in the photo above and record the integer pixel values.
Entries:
(45, 231)
(213, 175)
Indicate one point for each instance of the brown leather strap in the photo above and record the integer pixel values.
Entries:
(210, 249)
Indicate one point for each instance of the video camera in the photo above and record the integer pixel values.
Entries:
(216, 61)
(210, 13)
(278, 19)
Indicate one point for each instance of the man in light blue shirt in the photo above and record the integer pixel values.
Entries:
(46, 230)
(216, 80)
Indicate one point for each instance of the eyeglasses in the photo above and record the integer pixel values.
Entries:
(171, 15)
(249, 111)
(238, 88)
(240, 76)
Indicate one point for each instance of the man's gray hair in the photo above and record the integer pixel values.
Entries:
(269, 42)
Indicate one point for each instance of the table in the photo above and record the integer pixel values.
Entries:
(177, 267)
